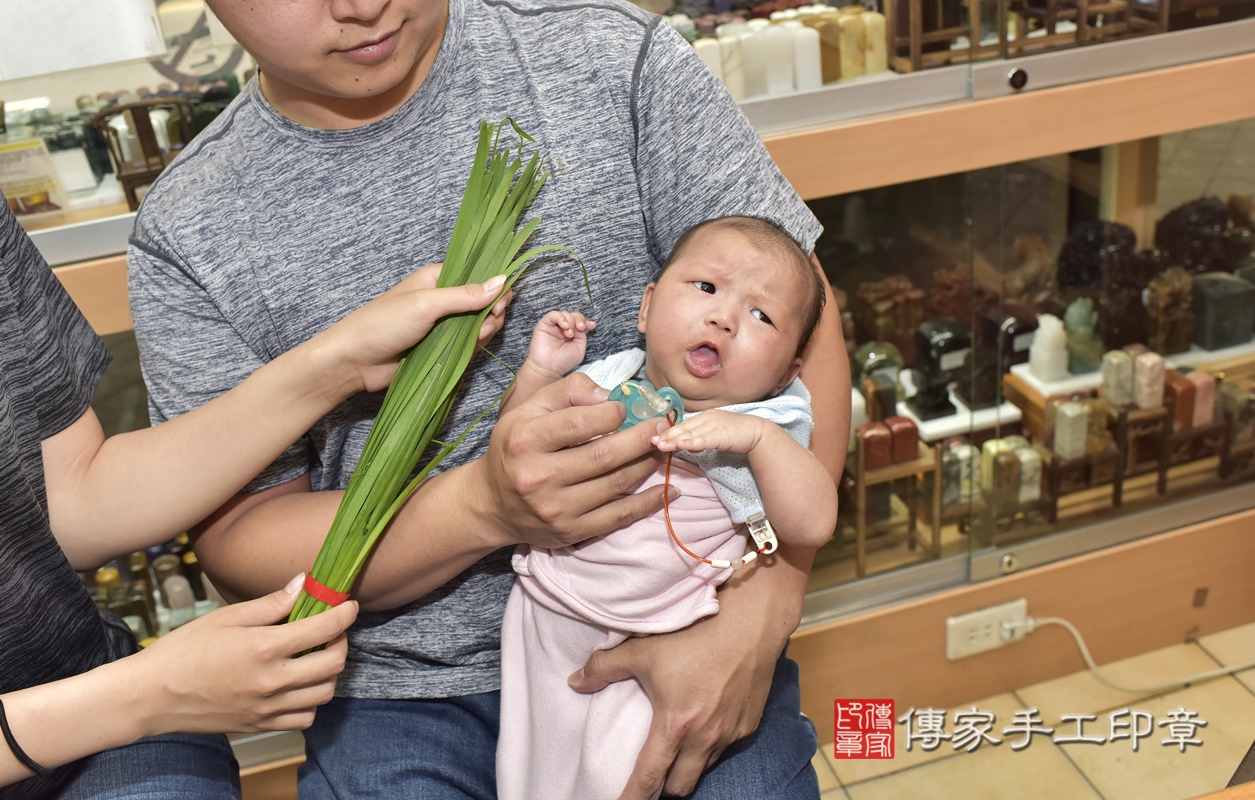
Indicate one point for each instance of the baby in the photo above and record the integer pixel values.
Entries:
(725, 325)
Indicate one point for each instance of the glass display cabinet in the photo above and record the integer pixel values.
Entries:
(1058, 367)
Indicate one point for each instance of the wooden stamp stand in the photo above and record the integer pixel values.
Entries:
(1120, 18)
(1237, 459)
(906, 50)
(1068, 475)
(902, 477)
(995, 514)
(1191, 444)
(1140, 435)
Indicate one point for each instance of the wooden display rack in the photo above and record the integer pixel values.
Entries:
(959, 514)
(1120, 18)
(1191, 444)
(929, 462)
(906, 52)
(1030, 403)
(1068, 475)
(1237, 459)
(1138, 431)
(994, 515)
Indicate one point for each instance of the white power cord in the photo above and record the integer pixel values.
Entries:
(1033, 623)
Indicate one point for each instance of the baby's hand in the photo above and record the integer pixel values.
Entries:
(559, 341)
(713, 430)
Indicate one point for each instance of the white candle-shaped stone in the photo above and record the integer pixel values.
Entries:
(758, 24)
(970, 471)
(710, 51)
(683, 25)
(1071, 427)
(754, 63)
(1117, 377)
(988, 455)
(853, 59)
(1015, 441)
(829, 46)
(1030, 474)
(876, 57)
(807, 70)
(1048, 354)
(1148, 380)
(1204, 397)
(733, 66)
(858, 409)
(778, 45)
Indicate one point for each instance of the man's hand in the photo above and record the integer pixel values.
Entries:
(708, 684)
(552, 477)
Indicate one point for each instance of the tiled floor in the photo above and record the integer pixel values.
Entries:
(1046, 770)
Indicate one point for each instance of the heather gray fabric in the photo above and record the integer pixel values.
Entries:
(265, 232)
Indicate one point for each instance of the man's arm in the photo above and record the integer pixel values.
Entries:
(709, 682)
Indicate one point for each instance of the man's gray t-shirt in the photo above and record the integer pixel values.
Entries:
(265, 232)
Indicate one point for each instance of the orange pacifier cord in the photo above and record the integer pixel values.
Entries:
(666, 512)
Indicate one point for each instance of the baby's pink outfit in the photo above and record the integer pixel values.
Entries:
(558, 744)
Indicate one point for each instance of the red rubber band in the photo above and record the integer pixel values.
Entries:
(324, 594)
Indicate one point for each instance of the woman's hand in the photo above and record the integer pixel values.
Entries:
(233, 670)
(371, 340)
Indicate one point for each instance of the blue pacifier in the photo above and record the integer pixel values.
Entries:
(642, 401)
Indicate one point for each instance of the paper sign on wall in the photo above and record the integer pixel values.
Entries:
(28, 179)
(37, 38)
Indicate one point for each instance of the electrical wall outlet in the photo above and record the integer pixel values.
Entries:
(986, 629)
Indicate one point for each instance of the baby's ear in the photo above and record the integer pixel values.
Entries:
(644, 312)
(789, 375)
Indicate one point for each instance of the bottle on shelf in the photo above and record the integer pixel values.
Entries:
(141, 603)
(192, 571)
(166, 566)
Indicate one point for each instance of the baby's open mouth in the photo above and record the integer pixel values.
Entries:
(702, 361)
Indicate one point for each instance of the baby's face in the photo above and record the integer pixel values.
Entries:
(722, 323)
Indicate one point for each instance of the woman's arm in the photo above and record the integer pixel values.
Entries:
(229, 671)
(111, 496)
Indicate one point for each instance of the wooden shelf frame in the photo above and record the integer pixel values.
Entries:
(977, 134)
(99, 289)
(927, 463)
